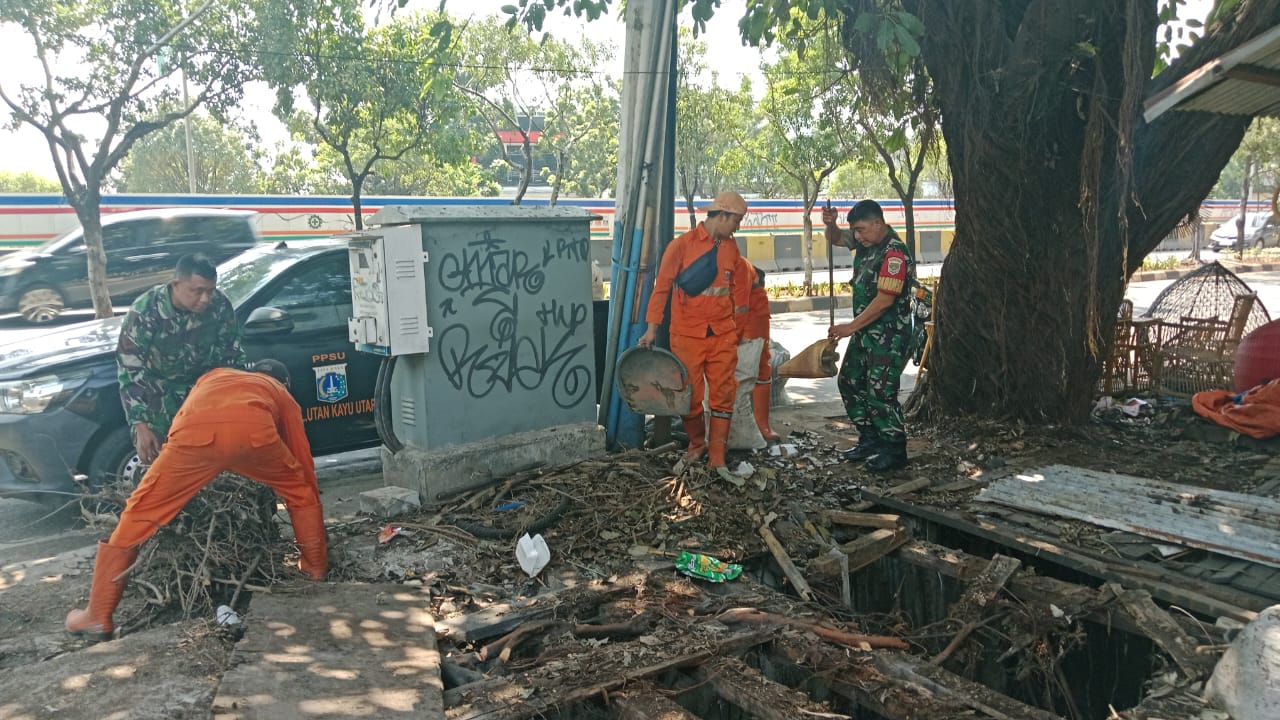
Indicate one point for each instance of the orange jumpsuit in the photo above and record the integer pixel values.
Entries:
(705, 329)
(757, 325)
(243, 422)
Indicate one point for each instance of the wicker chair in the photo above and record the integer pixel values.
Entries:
(1132, 365)
(1118, 367)
(1198, 354)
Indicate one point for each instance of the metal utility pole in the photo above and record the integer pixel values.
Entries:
(642, 195)
(186, 126)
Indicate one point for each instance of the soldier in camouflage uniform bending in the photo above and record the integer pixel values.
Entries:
(173, 334)
(880, 334)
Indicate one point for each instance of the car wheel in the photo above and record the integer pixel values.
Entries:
(115, 460)
(40, 304)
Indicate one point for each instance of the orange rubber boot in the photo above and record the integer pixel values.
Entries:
(94, 621)
(717, 447)
(313, 542)
(696, 427)
(760, 396)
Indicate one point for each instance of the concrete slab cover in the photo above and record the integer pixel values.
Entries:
(335, 651)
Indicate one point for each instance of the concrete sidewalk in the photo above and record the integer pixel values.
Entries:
(335, 651)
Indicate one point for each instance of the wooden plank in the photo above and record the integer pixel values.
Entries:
(948, 561)
(1233, 524)
(969, 609)
(502, 618)
(1075, 600)
(560, 691)
(1162, 629)
(985, 587)
(757, 696)
(960, 485)
(1041, 548)
(898, 686)
(860, 553)
(784, 561)
(909, 487)
(647, 704)
(856, 519)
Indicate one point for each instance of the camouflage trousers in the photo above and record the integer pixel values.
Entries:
(870, 375)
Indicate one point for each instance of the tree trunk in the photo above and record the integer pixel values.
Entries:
(1061, 188)
(555, 184)
(89, 212)
(909, 224)
(1243, 222)
(806, 236)
(526, 172)
(357, 184)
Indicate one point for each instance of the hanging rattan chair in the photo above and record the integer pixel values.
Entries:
(1202, 317)
(1209, 293)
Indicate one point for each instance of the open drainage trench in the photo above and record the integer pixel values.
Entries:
(1041, 666)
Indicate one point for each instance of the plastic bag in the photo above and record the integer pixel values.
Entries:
(706, 567)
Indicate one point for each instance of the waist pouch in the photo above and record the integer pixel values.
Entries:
(700, 273)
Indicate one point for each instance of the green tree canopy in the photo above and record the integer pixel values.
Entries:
(226, 160)
(110, 78)
(802, 111)
(369, 95)
(713, 124)
(27, 182)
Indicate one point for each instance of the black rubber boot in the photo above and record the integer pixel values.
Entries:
(868, 445)
(892, 455)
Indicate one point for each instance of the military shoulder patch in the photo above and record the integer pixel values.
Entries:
(894, 265)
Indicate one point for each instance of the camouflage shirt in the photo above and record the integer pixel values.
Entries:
(163, 350)
(888, 267)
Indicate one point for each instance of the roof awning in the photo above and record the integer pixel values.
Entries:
(1245, 81)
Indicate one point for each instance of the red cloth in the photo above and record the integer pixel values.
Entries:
(1258, 357)
(1257, 414)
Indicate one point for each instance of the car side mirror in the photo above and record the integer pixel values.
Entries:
(268, 321)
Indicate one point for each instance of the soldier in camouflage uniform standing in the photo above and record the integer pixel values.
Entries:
(880, 334)
(173, 334)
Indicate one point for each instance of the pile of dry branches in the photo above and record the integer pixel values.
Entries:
(224, 542)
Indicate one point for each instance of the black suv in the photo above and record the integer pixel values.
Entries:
(142, 248)
(60, 411)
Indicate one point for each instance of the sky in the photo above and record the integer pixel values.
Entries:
(25, 150)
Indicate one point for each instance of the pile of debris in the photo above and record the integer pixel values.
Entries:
(223, 545)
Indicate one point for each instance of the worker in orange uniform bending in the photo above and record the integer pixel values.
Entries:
(757, 327)
(706, 323)
(232, 420)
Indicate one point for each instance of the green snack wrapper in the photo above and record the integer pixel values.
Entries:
(706, 567)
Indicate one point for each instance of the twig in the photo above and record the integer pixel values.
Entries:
(961, 636)
(841, 637)
(245, 578)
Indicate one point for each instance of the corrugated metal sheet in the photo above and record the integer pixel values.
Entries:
(1245, 81)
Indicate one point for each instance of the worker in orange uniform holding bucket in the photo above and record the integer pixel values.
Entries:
(699, 273)
(232, 420)
(757, 328)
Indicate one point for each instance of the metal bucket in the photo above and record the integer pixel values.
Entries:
(652, 381)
